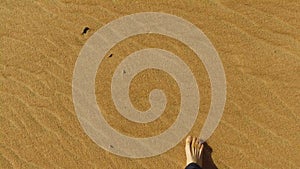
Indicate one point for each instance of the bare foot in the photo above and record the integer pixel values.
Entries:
(193, 150)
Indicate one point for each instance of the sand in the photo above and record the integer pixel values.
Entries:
(257, 41)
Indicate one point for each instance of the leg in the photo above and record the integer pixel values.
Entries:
(193, 166)
(193, 150)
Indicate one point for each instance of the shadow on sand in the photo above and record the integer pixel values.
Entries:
(208, 162)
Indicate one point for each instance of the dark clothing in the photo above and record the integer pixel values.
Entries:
(193, 166)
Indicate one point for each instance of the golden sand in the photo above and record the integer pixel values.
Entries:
(257, 41)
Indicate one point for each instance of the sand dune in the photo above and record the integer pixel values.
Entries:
(257, 41)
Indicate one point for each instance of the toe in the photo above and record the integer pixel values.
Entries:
(194, 145)
(197, 141)
(188, 140)
(193, 141)
(188, 143)
(200, 149)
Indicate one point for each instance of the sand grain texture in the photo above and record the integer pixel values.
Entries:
(258, 43)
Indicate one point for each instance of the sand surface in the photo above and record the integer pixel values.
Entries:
(257, 41)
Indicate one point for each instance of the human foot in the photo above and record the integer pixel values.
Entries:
(193, 150)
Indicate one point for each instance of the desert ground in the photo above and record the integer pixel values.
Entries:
(258, 42)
